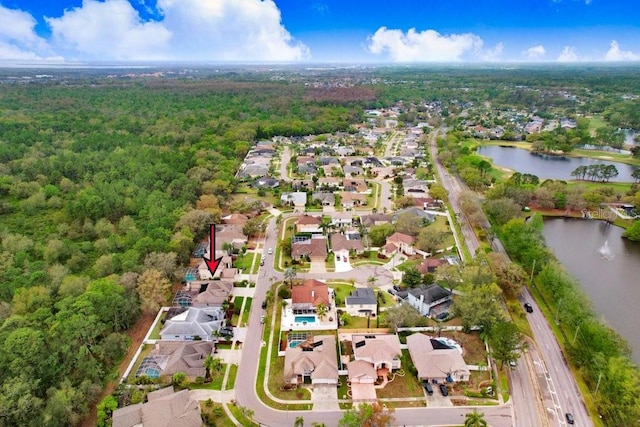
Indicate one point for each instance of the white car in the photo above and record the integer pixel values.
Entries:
(270, 251)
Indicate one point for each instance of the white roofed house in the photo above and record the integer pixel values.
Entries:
(194, 324)
(342, 244)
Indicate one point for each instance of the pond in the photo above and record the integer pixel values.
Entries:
(545, 166)
(608, 268)
(629, 136)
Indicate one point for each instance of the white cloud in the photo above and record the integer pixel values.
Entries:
(197, 30)
(568, 54)
(428, 45)
(106, 31)
(535, 52)
(18, 39)
(230, 30)
(615, 54)
(492, 54)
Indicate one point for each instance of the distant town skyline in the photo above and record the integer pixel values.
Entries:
(318, 31)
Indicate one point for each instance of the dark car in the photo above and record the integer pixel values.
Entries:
(528, 307)
(443, 390)
(264, 304)
(427, 387)
(569, 417)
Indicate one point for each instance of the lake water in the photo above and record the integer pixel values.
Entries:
(608, 268)
(544, 166)
(629, 135)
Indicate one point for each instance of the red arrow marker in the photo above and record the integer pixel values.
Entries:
(212, 264)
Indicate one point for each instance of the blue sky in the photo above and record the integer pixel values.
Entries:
(320, 30)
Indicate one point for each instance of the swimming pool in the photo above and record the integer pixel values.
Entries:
(308, 319)
(451, 343)
(293, 344)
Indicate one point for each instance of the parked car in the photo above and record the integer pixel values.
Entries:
(528, 307)
(261, 262)
(569, 417)
(443, 390)
(270, 251)
(512, 364)
(262, 318)
(264, 304)
(391, 291)
(427, 387)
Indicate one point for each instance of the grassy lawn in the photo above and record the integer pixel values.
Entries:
(409, 263)
(388, 300)
(214, 415)
(330, 264)
(215, 383)
(231, 380)
(155, 334)
(246, 311)
(245, 261)
(504, 382)
(342, 291)
(596, 122)
(357, 322)
(237, 302)
(440, 224)
(474, 352)
(146, 349)
(402, 386)
(238, 414)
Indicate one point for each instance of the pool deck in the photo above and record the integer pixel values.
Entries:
(288, 322)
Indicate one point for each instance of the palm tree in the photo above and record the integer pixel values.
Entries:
(321, 310)
(290, 274)
(211, 364)
(475, 419)
(299, 422)
(371, 281)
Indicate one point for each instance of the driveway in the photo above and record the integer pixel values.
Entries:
(317, 267)
(325, 397)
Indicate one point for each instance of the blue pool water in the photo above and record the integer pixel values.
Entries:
(308, 319)
(293, 344)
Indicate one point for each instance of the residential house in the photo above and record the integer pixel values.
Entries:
(307, 296)
(345, 151)
(164, 408)
(426, 298)
(253, 171)
(203, 293)
(415, 211)
(380, 350)
(307, 169)
(352, 170)
(415, 187)
(332, 170)
(170, 357)
(235, 219)
(193, 324)
(362, 302)
(403, 242)
(435, 360)
(266, 182)
(315, 249)
(316, 359)
(325, 199)
(309, 224)
(329, 183)
(355, 185)
(430, 265)
(352, 200)
(326, 161)
(303, 185)
(343, 244)
(376, 219)
(427, 203)
(341, 219)
(225, 263)
(297, 199)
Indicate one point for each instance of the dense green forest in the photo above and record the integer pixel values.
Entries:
(99, 184)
